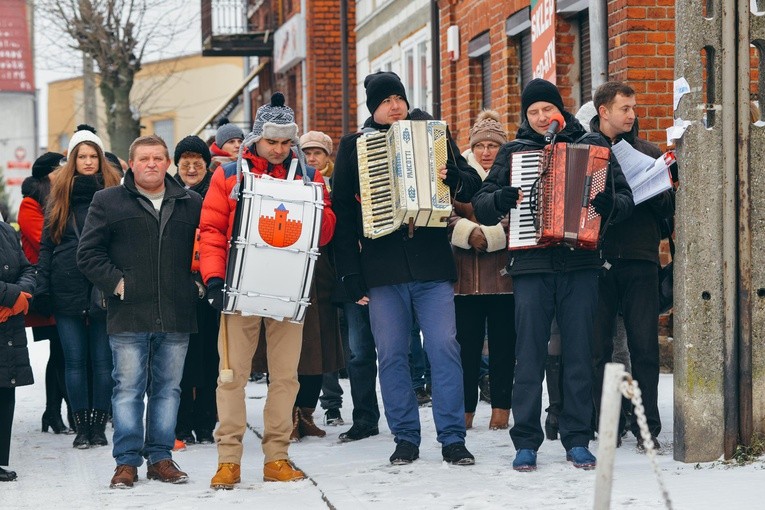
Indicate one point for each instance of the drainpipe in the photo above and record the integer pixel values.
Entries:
(344, 65)
(435, 48)
(598, 13)
(303, 71)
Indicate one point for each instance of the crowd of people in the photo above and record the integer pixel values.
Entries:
(123, 268)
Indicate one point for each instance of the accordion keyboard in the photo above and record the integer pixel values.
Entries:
(524, 170)
(376, 184)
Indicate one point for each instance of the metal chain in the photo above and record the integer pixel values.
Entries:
(630, 389)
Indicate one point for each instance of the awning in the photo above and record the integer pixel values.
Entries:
(231, 97)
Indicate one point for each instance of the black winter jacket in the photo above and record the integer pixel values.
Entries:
(124, 237)
(394, 258)
(16, 275)
(58, 276)
(559, 258)
(638, 237)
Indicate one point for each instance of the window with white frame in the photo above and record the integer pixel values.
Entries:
(166, 129)
(382, 63)
(415, 62)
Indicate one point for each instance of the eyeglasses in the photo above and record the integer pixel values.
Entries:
(197, 165)
(485, 147)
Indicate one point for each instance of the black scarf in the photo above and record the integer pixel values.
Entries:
(83, 189)
(201, 187)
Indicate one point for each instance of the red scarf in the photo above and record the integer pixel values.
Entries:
(260, 166)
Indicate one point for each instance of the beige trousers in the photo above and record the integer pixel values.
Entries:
(284, 340)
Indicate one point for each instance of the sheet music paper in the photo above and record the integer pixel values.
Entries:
(646, 176)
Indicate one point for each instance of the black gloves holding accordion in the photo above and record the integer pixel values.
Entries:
(603, 203)
(506, 199)
(215, 295)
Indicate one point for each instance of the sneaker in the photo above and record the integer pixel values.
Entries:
(226, 477)
(332, 417)
(405, 453)
(124, 477)
(179, 446)
(423, 399)
(281, 471)
(256, 376)
(457, 454)
(581, 457)
(167, 471)
(357, 432)
(641, 445)
(205, 437)
(525, 460)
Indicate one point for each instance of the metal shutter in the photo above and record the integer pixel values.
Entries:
(526, 72)
(486, 80)
(585, 65)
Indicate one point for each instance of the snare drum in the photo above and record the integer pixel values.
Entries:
(274, 247)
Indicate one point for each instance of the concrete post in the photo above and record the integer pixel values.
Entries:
(699, 300)
(608, 430)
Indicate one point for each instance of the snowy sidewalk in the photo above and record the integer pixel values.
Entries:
(52, 474)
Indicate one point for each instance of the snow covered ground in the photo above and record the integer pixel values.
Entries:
(357, 475)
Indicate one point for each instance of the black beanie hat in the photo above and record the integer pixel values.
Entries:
(192, 143)
(382, 85)
(45, 164)
(540, 90)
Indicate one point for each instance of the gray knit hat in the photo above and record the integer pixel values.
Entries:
(227, 132)
(274, 121)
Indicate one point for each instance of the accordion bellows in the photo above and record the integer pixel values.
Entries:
(398, 177)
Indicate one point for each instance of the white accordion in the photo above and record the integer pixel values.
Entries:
(274, 247)
(398, 177)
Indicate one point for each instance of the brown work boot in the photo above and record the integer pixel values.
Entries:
(500, 419)
(226, 477)
(295, 434)
(124, 477)
(307, 425)
(281, 471)
(166, 471)
(469, 420)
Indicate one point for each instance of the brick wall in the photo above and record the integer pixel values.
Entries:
(323, 69)
(641, 52)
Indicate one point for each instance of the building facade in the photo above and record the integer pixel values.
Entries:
(171, 96)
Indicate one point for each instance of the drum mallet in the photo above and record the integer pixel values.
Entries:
(226, 374)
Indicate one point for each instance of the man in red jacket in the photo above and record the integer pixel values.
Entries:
(274, 132)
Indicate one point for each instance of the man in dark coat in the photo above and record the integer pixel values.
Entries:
(136, 246)
(402, 274)
(555, 282)
(631, 249)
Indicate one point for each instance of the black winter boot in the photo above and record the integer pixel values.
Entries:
(553, 376)
(82, 426)
(98, 427)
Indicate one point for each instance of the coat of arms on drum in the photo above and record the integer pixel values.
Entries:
(277, 230)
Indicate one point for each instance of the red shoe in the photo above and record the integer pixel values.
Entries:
(179, 446)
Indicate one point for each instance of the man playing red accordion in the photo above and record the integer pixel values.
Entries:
(554, 282)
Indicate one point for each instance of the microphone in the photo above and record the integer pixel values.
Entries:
(557, 123)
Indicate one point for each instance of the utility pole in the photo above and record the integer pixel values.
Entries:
(89, 91)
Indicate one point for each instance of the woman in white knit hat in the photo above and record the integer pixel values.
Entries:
(64, 291)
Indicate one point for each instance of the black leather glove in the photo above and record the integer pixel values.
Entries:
(506, 199)
(215, 295)
(603, 203)
(43, 304)
(355, 287)
(452, 174)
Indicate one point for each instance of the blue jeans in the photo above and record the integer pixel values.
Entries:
(85, 342)
(390, 313)
(146, 364)
(362, 366)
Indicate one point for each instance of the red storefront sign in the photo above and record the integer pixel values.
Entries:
(16, 70)
(543, 39)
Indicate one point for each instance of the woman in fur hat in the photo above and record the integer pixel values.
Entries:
(64, 291)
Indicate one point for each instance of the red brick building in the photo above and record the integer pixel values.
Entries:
(495, 57)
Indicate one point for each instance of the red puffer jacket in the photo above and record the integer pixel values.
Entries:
(218, 211)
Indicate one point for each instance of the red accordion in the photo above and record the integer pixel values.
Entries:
(558, 183)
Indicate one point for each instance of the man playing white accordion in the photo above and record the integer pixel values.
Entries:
(407, 273)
